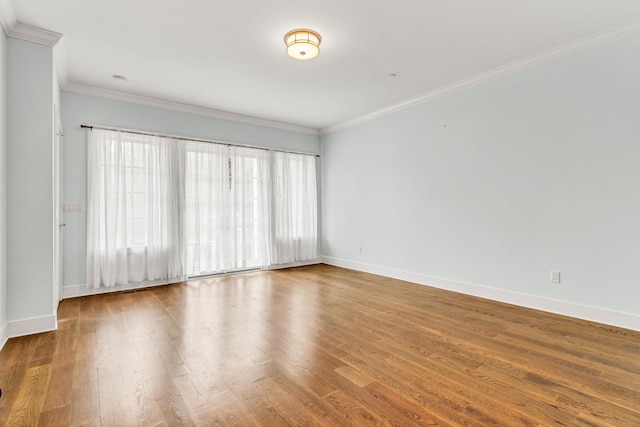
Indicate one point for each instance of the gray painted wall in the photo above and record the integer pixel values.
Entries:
(3, 181)
(29, 180)
(501, 183)
(80, 109)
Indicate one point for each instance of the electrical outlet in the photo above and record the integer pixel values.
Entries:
(359, 249)
(555, 277)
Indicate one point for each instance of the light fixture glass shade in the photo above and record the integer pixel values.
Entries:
(302, 44)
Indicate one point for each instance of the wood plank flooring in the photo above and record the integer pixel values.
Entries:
(317, 345)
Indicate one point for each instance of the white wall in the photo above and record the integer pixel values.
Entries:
(501, 183)
(29, 185)
(3, 187)
(78, 109)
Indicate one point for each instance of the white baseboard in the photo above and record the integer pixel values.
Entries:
(594, 314)
(75, 291)
(4, 336)
(35, 325)
(294, 264)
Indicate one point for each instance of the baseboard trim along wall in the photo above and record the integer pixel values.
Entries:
(4, 336)
(35, 325)
(294, 264)
(594, 314)
(75, 291)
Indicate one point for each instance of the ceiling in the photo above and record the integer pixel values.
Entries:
(230, 56)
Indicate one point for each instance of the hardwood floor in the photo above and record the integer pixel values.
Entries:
(317, 345)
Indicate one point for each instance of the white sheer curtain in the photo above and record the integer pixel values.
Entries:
(162, 209)
(206, 197)
(249, 225)
(294, 208)
(227, 208)
(135, 193)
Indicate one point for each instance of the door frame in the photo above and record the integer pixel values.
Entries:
(58, 214)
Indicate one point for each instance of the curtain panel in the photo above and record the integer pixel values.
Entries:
(133, 216)
(227, 208)
(164, 209)
(294, 208)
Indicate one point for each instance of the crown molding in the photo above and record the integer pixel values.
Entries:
(18, 30)
(34, 34)
(60, 62)
(532, 61)
(7, 16)
(183, 108)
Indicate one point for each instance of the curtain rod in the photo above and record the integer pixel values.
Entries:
(184, 138)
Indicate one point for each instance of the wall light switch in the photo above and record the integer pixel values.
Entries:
(555, 277)
(73, 207)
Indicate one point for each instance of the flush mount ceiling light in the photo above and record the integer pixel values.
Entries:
(302, 43)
